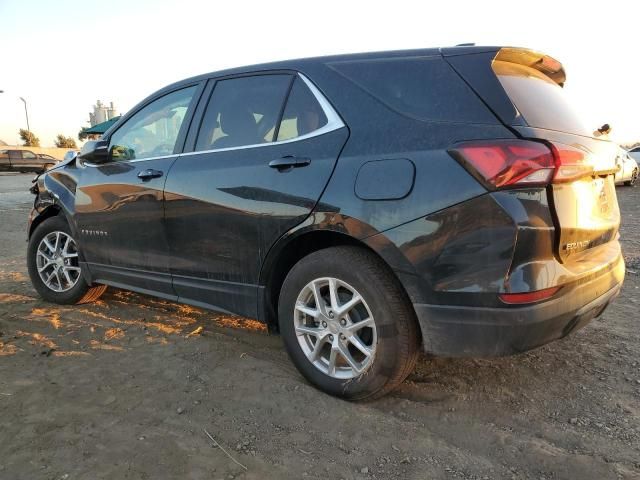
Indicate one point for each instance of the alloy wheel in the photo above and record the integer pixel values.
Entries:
(57, 261)
(335, 328)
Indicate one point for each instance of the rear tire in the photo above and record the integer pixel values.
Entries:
(328, 343)
(634, 177)
(52, 261)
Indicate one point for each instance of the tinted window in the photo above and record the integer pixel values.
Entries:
(152, 132)
(541, 101)
(243, 111)
(302, 115)
(419, 87)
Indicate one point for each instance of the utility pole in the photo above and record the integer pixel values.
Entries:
(26, 113)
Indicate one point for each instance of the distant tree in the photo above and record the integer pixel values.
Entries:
(29, 139)
(82, 135)
(65, 142)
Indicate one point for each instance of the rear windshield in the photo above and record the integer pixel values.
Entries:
(424, 88)
(541, 101)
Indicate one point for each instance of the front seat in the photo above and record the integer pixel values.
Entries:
(239, 125)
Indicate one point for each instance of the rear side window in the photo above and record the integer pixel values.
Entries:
(423, 88)
(243, 111)
(302, 114)
(540, 101)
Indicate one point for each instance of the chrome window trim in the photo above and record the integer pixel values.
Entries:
(334, 122)
(89, 164)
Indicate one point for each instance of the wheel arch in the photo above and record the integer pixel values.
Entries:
(50, 211)
(55, 195)
(296, 245)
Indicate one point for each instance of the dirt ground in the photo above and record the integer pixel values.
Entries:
(121, 389)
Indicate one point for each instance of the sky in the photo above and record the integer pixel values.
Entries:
(63, 56)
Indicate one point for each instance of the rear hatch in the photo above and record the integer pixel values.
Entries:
(525, 90)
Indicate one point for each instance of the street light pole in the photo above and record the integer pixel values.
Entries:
(26, 113)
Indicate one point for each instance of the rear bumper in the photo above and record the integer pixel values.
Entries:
(480, 331)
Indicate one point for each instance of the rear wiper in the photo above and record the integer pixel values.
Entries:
(605, 129)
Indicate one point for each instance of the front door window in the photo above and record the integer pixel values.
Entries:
(152, 132)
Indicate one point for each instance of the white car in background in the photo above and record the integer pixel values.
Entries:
(627, 162)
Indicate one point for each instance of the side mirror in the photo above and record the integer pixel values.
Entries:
(95, 151)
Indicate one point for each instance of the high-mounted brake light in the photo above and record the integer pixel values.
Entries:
(517, 163)
(548, 64)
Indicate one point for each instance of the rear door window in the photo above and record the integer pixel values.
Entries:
(243, 111)
(423, 88)
(302, 114)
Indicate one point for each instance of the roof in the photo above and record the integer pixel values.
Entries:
(100, 128)
(301, 63)
(298, 63)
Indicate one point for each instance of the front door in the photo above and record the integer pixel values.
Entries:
(25, 160)
(264, 152)
(119, 204)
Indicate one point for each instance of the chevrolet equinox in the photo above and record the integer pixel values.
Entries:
(366, 207)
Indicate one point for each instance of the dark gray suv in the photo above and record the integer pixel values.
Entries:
(365, 206)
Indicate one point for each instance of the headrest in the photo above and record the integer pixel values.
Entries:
(236, 120)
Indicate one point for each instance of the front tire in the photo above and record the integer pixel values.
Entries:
(347, 324)
(53, 264)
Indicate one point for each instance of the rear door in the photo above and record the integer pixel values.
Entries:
(30, 161)
(586, 206)
(263, 153)
(525, 89)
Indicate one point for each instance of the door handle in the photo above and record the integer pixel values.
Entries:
(149, 173)
(289, 161)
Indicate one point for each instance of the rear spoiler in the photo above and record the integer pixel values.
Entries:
(545, 64)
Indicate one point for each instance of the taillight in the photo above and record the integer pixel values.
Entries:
(505, 163)
(514, 163)
(571, 163)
